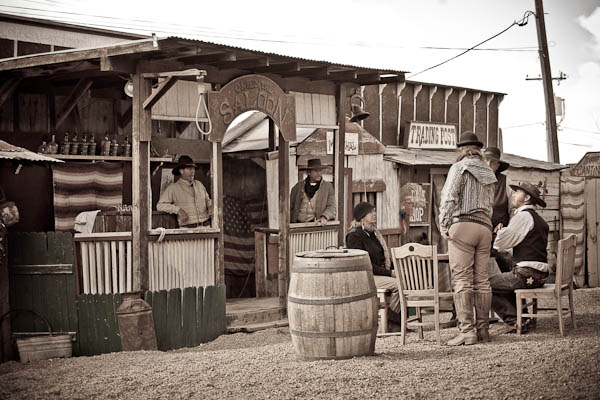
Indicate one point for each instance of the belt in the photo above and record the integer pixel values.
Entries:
(473, 218)
(196, 225)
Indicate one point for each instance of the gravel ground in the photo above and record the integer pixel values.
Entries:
(538, 365)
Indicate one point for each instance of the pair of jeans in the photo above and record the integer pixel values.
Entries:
(504, 302)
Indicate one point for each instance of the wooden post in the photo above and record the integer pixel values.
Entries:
(140, 168)
(338, 157)
(284, 218)
(551, 137)
(5, 329)
(217, 193)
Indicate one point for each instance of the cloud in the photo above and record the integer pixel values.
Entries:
(591, 24)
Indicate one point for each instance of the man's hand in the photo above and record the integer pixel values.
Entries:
(446, 235)
(498, 227)
(322, 220)
(182, 215)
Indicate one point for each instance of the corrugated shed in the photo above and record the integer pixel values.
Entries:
(416, 157)
(10, 152)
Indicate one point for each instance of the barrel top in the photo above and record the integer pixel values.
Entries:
(331, 253)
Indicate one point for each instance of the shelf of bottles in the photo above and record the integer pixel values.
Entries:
(82, 148)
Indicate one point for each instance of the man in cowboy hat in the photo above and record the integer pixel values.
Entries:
(527, 236)
(312, 199)
(187, 197)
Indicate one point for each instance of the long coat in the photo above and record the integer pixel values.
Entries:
(325, 203)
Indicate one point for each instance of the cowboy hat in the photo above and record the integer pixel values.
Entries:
(362, 209)
(532, 191)
(493, 153)
(469, 138)
(314, 163)
(183, 162)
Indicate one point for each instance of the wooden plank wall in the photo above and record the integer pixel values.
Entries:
(41, 279)
(179, 103)
(385, 126)
(572, 216)
(181, 318)
(592, 194)
(315, 109)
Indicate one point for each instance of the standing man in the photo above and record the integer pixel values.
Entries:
(312, 199)
(187, 197)
(465, 220)
(527, 236)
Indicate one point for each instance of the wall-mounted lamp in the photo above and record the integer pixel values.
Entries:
(356, 110)
(128, 88)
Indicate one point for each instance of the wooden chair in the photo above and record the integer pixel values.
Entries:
(417, 275)
(563, 286)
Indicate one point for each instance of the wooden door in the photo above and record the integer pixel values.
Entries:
(592, 194)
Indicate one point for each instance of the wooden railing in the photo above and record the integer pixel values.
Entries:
(181, 258)
(303, 237)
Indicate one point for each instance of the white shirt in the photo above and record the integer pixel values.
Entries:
(513, 234)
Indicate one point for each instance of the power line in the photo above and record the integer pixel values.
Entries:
(522, 22)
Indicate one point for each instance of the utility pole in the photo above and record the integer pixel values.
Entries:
(551, 136)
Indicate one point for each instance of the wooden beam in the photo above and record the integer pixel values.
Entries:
(125, 118)
(368, 186)
(311, 72)
(7, 89)
(284, 219)
(277, 68)
(51, 108)
(124, 64)
(162, 88)
(345, 76)
(249, 63)
(189, 73)
(218, 168)
(339, 152)
(208, 58)
(78, 91)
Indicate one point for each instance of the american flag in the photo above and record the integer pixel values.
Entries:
(241, 216)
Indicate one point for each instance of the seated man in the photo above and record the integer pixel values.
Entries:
(187, 197)
(527, 236)
(312, 199)
(363, 235)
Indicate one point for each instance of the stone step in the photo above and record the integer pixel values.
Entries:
(249, 317)
(258, 327)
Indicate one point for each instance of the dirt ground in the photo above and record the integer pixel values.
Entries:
(263, 365)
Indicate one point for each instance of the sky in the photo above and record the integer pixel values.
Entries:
(405, 35)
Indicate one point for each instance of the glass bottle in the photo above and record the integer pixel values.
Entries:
(105, 145)
(52, 147)
(83, 146)
(74, 145)
(42, 148)
(66, 144)
(127, 147)
(92, 143)
(114, 147)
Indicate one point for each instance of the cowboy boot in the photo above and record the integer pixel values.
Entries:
(464, 312)
(483, 303)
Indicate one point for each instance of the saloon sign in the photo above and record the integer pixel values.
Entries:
(430, 135)
(589, 166)
(251, 92)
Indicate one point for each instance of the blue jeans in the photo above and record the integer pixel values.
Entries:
(504, 302)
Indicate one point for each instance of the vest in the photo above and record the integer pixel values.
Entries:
(307, 208)
(533, 247)
(500, 210)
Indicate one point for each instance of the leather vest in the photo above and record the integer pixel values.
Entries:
(307, 208)
(500, 213)
(533, 247)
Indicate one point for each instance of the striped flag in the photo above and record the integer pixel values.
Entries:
(82, 187)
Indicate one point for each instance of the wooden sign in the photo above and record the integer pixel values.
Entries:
(430, 135)
(251, 92)
(588, 166)
(351, 143)
(415, 200)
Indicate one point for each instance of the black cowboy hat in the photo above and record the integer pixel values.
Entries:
(183, 162)
(362, 209)
(314, 163)
(531, 190)
(469, 138)
(493, 153)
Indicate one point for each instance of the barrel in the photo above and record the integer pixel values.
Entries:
(332, 304)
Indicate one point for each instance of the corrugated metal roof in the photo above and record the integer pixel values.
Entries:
(416, 157)
(10, 152)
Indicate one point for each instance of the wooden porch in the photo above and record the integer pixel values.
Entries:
(254, 314)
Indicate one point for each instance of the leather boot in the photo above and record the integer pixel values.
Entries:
(464, 313)
(483, 304)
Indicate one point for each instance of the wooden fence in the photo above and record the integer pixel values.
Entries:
(181, 318)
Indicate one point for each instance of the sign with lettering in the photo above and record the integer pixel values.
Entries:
(251, 92)
(415, 201)
(588, 166)
(430, 135)
(351, 143)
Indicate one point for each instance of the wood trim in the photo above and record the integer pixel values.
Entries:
(284, 218)
(40, 269)
(341, 99)
(101, 236)
(156, 95)
(368, 186)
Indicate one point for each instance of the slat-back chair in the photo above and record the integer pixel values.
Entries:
(417, 275)
(563, 286)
